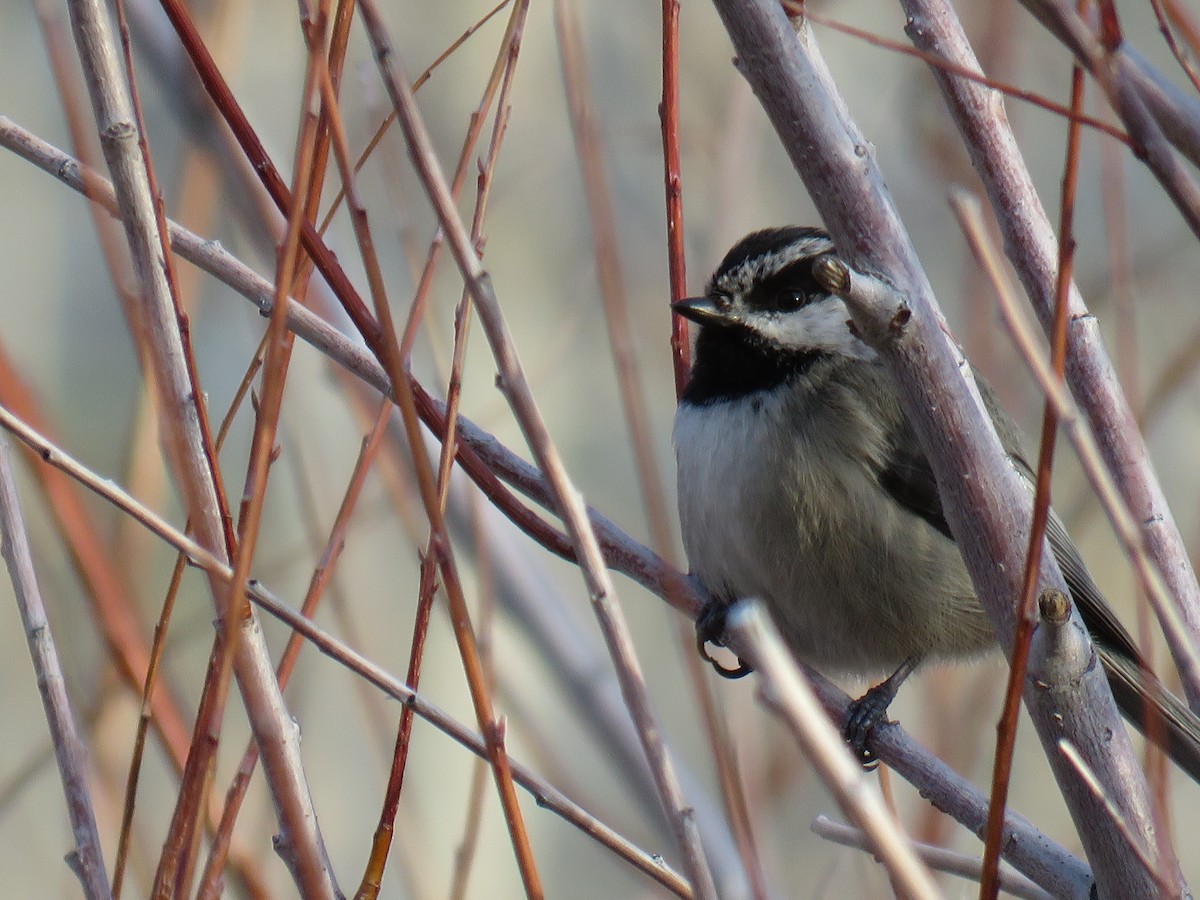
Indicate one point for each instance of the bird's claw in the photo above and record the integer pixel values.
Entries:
(710, 628)
(862, 716)
(870, 710)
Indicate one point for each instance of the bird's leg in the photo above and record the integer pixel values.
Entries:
(869, 710)
(710, 628)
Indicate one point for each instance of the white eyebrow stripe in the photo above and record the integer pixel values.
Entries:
(738, 280)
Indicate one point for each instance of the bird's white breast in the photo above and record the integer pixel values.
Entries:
(778, 500)
(724, 453)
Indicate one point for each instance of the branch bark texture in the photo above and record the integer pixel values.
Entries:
(183, 437)
(989, 511)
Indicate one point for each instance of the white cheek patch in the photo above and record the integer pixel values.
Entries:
(820, 325)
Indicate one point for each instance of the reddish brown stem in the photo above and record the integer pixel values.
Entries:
(210, 884)
(946, 65)
(1027, 618)
(668, 113)
(231, 111)
(500, 80)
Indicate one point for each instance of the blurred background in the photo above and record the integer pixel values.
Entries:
(64, 335)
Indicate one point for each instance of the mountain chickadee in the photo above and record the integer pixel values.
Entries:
(802, 482)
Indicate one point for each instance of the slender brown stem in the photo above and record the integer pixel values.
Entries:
(195, 795)
(668, 112)
(392, 359)
(501, 81)
(1027, 619)
(222, 96)
(545, 795)
(188, 441)
(483, 457)
(952, 68)
(1029, 239)
(1181, 57)
(390, 119)
(720, 741)
(161, 630)
(210, 884)
(515, 385)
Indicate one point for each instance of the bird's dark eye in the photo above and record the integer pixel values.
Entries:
(790, 299)
(722, 301)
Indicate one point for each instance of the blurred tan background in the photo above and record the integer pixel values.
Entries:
(62, 326)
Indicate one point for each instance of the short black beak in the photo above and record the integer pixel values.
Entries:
(701, 310)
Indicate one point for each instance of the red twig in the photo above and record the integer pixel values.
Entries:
(390, 119)
(732, 791)
(1183, 19)
(440, 544)
(1027, 617)
(500, 81)
(963, 72)
(248, 140)
(668, 112)
(545, 794)
(210, 884)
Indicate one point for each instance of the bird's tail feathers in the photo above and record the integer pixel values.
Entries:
(1157, 713)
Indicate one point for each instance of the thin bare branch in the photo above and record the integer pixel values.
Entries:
(545, 795)
(1122, 80)
(988, 512)
(590, 151)
(499, 84)
(569, 504)
(783, 689)
(1026, 620)
(952, 68)
(188, 449)
(87, 859)
(1031, 246)
(214, 867)
(222, 96)
(937, 858)
(1144, 854)
(1086, 445)
(486, 461)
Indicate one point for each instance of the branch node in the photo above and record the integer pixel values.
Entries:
(1055, 607)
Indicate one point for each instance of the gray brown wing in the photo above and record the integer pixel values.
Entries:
(1142, 698)
(1102, 623)
(1156, 712)
(1097, 615)
(908, 479)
